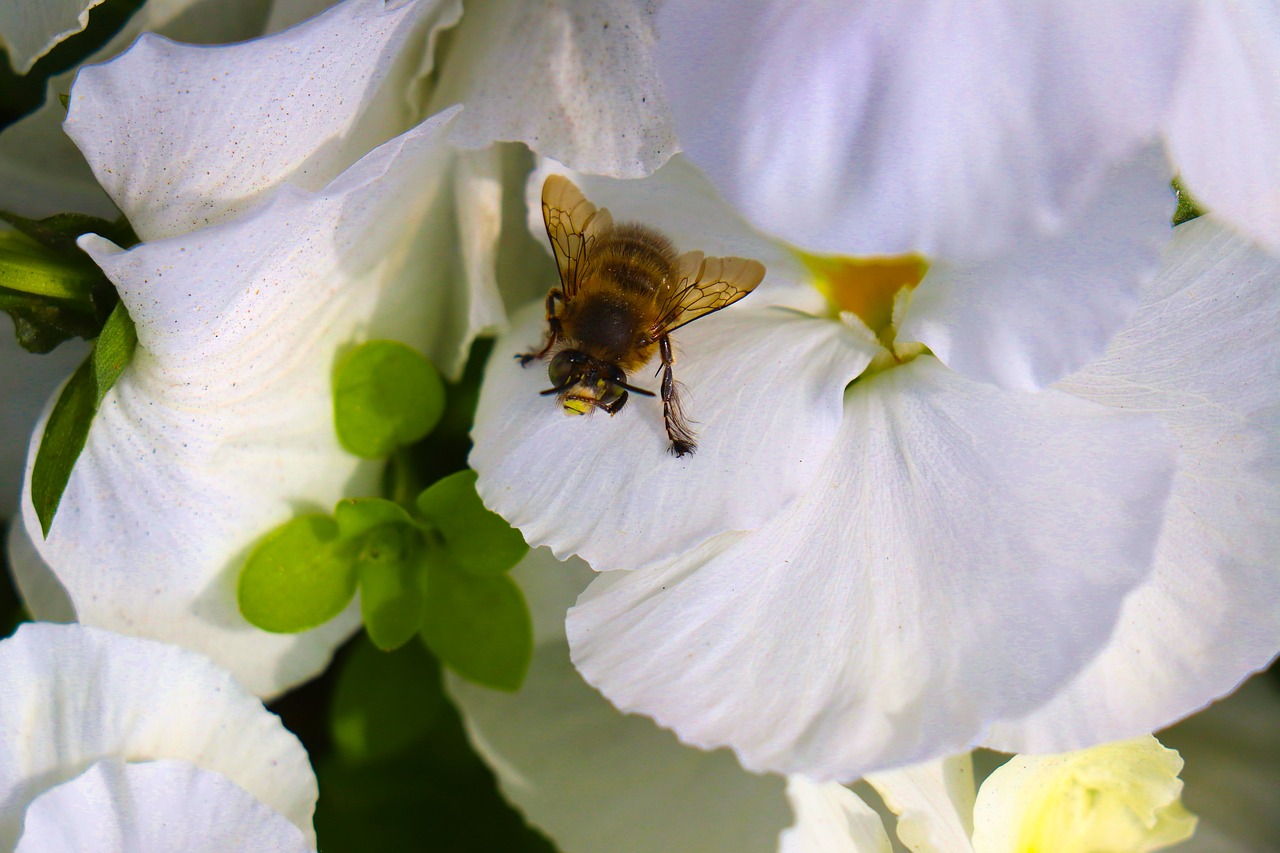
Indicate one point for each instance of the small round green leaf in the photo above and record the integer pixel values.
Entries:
(384, 702)
(478, 626)
(392, 578)
(298, 576)
(385, 395)
(357, 516)
(477, 540)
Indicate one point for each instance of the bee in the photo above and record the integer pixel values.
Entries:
(623, 291)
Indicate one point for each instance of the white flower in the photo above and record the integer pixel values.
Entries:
(974, 136)
(113, 743)
(258, 262)
(595, 780)
(285, 212)
(845, 580)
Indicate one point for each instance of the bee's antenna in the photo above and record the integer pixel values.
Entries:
(636, 390)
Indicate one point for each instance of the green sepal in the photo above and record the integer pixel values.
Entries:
(383, 703)
(59, 232)
(49, 286)
(298, 576)
(385, 395)
(40, 324)
(68, 425)
(28, 267)
(478, 541)
(478, 626)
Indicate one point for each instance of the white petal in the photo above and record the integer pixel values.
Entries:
(885, 128)
(831, 819)
(41, 170)
(933, 801)
(963, 553)
(606, 488)
(183, 136)
(155, 807)
(222, 428)
(30, 30)
(572, 79)
(1202, 352)
(74, 695)
(593, 779)
(1030, 317)
(26, 383)
(1224, 132)
(43, 595)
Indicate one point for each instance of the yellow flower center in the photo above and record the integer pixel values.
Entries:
(875, 290)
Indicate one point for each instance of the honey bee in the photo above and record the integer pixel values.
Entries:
(623, 291)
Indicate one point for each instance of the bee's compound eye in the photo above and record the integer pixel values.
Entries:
(563, 366)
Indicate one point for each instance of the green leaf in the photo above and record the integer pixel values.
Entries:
(41, 324)
(478, 626)
(357, 516)
(391, 601)
(384, 702)
(59, 232)
(298, 576)
(388, 547)
(72, 415)
(28, 267)
(385, 395)
(479, 541)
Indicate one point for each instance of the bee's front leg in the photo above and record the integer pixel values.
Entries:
(683, 441)
(554, 330)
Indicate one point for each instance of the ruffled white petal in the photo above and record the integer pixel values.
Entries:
(26, 383)
(74, 695)
(41, 170)
(605, 488)
(182, 137)
(884, 128)
(594, 779)
(154, 807)
(30, 30)
(1224, 131)
(962, 555)
(933, 802)
(572, 79)
(1203, 354)
(1051, 305)
(831, 819)
(222, 428)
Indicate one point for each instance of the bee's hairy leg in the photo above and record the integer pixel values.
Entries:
(616, 406)
(554, 329)
(683, 442)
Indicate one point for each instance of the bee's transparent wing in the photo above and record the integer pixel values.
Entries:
(573, 227)
(703, 285)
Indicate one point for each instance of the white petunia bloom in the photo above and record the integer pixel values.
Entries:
(590, 777)
(975, 136)
(111, 743)
(858, 576)
(288, 207)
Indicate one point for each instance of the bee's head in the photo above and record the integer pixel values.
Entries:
(585, 383)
